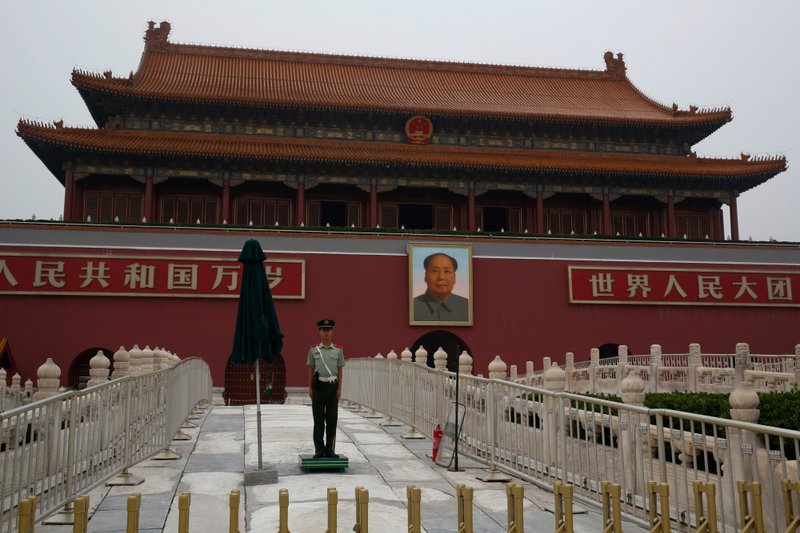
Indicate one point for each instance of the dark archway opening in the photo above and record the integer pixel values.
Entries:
(610, 350)
(449, 342)
(78, 375)
(240, 382)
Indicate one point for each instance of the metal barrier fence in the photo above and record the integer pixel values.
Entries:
(546, 435)
(57, 448)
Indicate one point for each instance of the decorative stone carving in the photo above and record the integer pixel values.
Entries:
(378, 356)
(49, 379)
(391, 355)
(465, 363)
(406, 355)
(497, 368)
(421, 356)
(122, 362)
(440, 359)
(632, 388)
(98, 369)
(555, 379)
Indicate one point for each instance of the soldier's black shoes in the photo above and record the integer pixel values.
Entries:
(331, 455)
(320, 455)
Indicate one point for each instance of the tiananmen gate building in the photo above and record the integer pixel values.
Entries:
(580, 215)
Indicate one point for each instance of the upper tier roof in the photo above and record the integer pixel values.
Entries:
(217, 75)
(49, 141)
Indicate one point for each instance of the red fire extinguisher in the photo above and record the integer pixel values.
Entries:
(437, 439)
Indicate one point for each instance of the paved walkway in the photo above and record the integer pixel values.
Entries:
(213, 462)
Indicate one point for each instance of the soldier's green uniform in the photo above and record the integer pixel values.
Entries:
(324, 363)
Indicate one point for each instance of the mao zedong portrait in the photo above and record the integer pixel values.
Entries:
(438, 303)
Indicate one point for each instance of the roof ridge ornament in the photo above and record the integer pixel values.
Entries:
(156, 38)
(615, 66)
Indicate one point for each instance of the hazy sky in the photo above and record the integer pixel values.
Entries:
(741, 54)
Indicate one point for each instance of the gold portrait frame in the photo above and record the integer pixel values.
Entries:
(421, 306)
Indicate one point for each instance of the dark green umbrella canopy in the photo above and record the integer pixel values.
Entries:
(258, 334)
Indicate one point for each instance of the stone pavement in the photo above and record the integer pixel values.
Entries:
(225, 443)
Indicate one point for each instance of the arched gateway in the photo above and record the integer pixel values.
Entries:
(449, 342)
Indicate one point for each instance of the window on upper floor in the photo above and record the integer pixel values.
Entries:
(189, 209)
(107, 206)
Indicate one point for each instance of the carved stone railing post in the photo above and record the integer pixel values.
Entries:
(546, 362)
(655, 365)
(421, 356)
(634, 441)
(49, 380)
(28, 387)
(741, 362)
(742, 446)
(512, 373)
(554, 380)
(98, 369)
(16, 379)
(797, 364)
(529, 373)
(135, 361)
(146, 360)
(569, 368)
(406, 356)
(622, 364)
(465, 363)
(497, 368)
(440, 360)
(594, 369)
(695, 361)
(122, 362)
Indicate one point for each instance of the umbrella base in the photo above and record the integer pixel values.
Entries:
(308, 463)
(267, 475)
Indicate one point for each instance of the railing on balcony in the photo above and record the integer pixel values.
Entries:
(545, 434)
(59, 447)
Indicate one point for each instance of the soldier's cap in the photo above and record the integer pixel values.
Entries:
(326, 323)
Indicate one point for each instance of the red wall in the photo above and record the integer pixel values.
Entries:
(522, 312)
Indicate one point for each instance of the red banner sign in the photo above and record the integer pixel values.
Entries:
(651, 286)
(152, 276)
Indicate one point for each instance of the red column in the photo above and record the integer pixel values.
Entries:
(671, 222)
(373, 205)
(226, 199)
(539, 212)
(69, 192)
(471, 209)
(148, 198)
(607, 230)
(734, 218)
(300, 203)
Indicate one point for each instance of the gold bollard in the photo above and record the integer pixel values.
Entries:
(134, 504)
(26, 515)
(792, 519)
(80, 514)
(283, 502)
(514, 495)
(333, 500)
(464, 498)
(233, 504)
(183, 512)
(658, 496)
(755, 521)
(706, 523)
(563, 514)
(612, 514)
(362, 510)
(414, 495)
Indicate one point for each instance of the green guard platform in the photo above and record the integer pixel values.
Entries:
(308, 463)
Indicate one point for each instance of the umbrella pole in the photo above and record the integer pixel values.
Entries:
(258, 412)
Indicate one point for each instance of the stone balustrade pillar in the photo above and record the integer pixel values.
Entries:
(392, 355)
(147, 360)
(655, 365)
(633, 432)
(569, 368)
(741, 363)
(16, 379)
(512, 373)
(742, 447)
(406, 356)
(555, 380)
(546, 362)
(695, 362)
(135, 361)
(98, 369)
(49, 380)
(622, 364)
(528, 373)
(3, 377)
(594, 370)
(122, 362)
(421, 356)
(497, 368)
(379, 355)
(28, 387)
(465, 363)
(440, 359)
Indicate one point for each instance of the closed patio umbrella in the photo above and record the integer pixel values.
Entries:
(258, 334)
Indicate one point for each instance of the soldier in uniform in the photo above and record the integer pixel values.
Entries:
(325, 361)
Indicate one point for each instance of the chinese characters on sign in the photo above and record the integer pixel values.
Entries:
(103, 275)
(596, 285)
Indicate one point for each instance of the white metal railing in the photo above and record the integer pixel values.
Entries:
(543, 436)
(59, 447)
